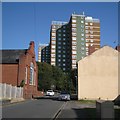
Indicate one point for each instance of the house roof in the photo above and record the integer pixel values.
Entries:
(11, 56)
(104, 51)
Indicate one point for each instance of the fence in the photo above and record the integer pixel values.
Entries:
(9, 91)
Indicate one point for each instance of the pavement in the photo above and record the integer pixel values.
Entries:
(75, 109)
(4, 102)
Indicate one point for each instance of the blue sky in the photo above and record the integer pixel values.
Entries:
(23, 22)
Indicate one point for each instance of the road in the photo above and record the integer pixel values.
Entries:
(41, 108)
(77, 110)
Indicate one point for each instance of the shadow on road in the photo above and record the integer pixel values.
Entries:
(73, 97)
(91, 113)
(85, 113)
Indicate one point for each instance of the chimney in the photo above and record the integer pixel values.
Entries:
(31, 47)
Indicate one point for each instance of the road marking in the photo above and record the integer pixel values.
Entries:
(59, 111)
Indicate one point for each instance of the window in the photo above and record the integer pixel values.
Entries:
(91, 40)
(73, 34)
(53, 46)
(64, 26)
(53, 34)
(74, 21)
(59, 47)
(64, 56)
(53, 38)
(74, 61)
(73, 38)
(91, 27)
(91, 36)
(86, 23)
(73, 43)
(64, 35)
(82, 34)
(53, 42)
(73, 52)
(59, 34)
(59, 64)
(59, 30)
(82, 48)
(63, 64)
(53, 59)
(87, 31)
(82, 43)
(82, 39)
(82, 26)
(73, 56)
(64, 43)
(59, 38)
(63, 51)
(52, 50)
(86, 44)
(91, 23)
(59, 55)
(63, 38)
(91, 44)
(59, 60)
(73, 29)
(91, 32)
(59, 51)
(31, 74)
(59, 43)
(82, 30)
(53, 26)
(63, 60)
(82, 53)
(82, 21)
(53, 55)
(74, 47)
(64, 69)
(73, 25)
(64, 31)
(73, 17)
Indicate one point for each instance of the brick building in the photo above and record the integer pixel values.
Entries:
(118, 48)
(18, 66)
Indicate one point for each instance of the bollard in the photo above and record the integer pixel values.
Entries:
(105, 109)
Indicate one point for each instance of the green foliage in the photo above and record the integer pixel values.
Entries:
(51, 75)
(22, 83)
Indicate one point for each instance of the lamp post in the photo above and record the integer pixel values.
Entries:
(76, 84)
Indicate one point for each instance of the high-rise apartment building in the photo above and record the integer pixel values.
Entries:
(71, 41)
(44, 53)
(54, 38)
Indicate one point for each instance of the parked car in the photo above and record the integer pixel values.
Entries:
(64, 96)
(50, 93)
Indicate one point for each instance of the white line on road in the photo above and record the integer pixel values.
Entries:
(59, 111)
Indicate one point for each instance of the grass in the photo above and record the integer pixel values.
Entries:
(87, 101)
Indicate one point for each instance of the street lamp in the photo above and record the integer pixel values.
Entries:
(76, 84)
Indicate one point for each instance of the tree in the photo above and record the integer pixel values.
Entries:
(50, 76)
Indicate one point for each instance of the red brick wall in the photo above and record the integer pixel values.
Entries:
(15, 73)
(10, 74)
(25, 61)
(91, 49)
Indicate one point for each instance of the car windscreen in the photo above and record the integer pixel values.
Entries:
(50, 91)
(64, 92)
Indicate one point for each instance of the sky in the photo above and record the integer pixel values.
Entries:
(26, 21)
